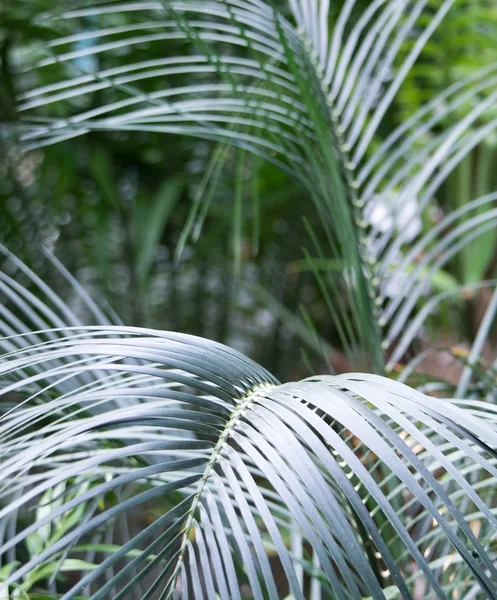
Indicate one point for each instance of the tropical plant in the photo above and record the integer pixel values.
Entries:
(347, 486)
(145, 464)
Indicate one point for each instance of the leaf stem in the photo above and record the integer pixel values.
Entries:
(240, 409)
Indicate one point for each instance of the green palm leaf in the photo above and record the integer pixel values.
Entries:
(359, 465)
(300, 91)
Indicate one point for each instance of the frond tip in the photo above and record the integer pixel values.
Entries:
(159, 465)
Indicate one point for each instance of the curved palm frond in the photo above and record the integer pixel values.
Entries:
(304, 94)
(372, 476)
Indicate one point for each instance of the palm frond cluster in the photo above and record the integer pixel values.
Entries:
(144, 464)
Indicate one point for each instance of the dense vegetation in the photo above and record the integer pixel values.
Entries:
(311, 185)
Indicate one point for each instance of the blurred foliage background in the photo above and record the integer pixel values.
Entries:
(181, 234)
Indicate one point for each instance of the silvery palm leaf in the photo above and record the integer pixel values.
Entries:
(307, 90)
(149, 464)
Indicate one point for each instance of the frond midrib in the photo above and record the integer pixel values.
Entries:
(243, 404)
(346, 173)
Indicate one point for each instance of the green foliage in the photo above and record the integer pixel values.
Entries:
(145, 464)
(363, 469)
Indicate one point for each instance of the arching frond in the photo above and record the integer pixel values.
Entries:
(359, 466)
(303, 91)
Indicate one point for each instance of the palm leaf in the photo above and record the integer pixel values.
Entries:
(338, 477)
(304, 94)
(359, 465)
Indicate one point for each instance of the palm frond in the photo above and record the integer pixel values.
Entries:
(357, 465)
(305, 94)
